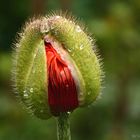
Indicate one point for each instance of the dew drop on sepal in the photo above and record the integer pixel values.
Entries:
(25, 93)
(69, 50)
(78, 29)
(81, 47)
(31, 90)
(67, 85)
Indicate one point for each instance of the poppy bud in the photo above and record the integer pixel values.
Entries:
(56, 69)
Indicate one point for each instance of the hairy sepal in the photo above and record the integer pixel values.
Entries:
(30, 64)
(30, 70)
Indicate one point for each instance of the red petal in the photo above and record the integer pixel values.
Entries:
(62, 94)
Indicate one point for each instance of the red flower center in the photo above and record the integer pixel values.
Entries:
(62, 94)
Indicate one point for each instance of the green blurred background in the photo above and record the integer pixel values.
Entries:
(116, 27)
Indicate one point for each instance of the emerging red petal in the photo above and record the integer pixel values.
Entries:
(62, 94)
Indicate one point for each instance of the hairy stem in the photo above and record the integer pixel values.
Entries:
(63, 127)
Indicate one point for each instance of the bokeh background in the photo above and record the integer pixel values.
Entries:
(116, 26)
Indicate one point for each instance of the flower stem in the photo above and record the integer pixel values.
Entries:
(63, 127)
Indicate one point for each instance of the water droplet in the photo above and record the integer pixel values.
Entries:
(57, 17)
(81, 47)
(31, 90)
(69, 50)
(78, 29)
(67, 85)
(25, 95)
(24, 91)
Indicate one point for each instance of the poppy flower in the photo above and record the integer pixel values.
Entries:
(56, 69)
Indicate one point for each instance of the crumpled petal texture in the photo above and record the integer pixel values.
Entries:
(62, 94)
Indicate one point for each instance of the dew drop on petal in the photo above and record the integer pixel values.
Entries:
(67, 85)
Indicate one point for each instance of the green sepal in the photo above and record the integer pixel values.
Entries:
(31, 72)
